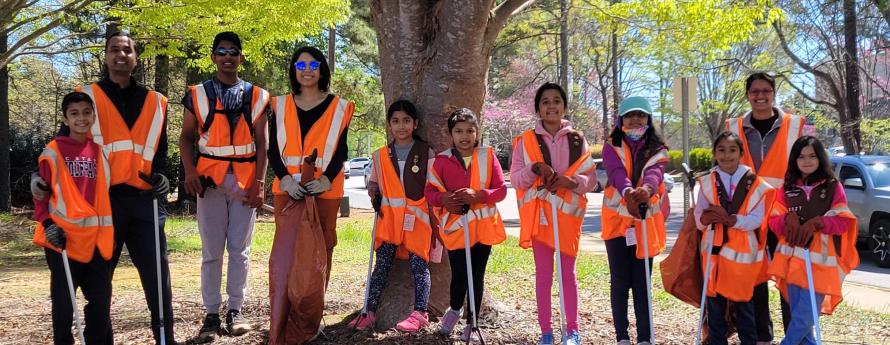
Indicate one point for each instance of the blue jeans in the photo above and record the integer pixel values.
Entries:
(800, 329)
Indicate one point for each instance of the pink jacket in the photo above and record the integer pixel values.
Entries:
(834, 225)
(521, 176)
(455, 177)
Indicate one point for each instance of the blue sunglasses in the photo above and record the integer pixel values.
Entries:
(302, 65)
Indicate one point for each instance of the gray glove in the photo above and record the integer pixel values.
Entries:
(55, 235)
(294, 189)
(319, 185)
(39, 189)
(160, 186)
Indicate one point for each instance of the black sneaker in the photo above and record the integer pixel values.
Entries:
(210, 330)
(236, 324)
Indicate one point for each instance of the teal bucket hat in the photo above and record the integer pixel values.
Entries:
(635, 103)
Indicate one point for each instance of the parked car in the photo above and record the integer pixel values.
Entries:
(603, 179)
(346, 170)
(357, 165)
(866, 181)
(367, 172)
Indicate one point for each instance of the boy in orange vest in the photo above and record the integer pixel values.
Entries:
(76, 215)
(229, 115)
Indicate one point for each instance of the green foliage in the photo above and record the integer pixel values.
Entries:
(874, 135)
(700, 159)
(187, 27)
(676, 161)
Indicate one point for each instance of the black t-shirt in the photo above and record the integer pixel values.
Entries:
(764, 126)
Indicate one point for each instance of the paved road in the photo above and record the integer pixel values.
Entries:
(873, 281)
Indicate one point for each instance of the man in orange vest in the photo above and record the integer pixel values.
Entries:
(229, 115)
(131, 127)
(767, 135)
(77, 219)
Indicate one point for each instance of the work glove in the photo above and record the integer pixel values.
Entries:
(562, 181)
(160, 186)
(39, 189)
(452, 203)
(469, 196)
(792, 228)
(294, 189)
(544, 171)
(54, 235)
(319, 185)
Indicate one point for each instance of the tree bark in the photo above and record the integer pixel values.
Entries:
(162, 72)
(435, 54)
(616, 77)
(332, 48)
(564, 44)
(5, 191)
(851, 71)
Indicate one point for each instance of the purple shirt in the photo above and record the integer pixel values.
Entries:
(652, 176)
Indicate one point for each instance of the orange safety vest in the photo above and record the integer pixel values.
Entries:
(219, 146)
(404, 222)
(323, 136)
(832, 258)
(485, 222)
(775, 162)
(535, 208)
(130, 150)
(87, 224)
(615, 217)
(740, 265)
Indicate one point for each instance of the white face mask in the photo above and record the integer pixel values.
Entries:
(635, 134)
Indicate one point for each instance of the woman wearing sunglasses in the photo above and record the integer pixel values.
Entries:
(306, 121)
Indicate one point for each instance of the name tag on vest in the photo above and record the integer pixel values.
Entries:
(408, 224)
(543, 217)
(630, 237)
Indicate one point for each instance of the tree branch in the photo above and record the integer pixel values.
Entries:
(803, 93)
(499, 16)
(5, 57)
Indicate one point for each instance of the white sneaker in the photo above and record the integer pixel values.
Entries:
(451, 317)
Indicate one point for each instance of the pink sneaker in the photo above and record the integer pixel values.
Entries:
(414, 322)
(362, 323)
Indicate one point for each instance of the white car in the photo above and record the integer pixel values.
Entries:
(357, 165)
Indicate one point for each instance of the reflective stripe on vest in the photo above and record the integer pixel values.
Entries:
(708, 184)
(202, 103)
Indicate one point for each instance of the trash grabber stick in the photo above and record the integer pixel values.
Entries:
(709, 236)
(554, 201)
(158, 262)
(690, 179)
(370, 265)
(812, 290)
(472, 294)
(73, 299)
(644, 207)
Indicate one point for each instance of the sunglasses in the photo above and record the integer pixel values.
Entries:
(227, 51)
(303, 66)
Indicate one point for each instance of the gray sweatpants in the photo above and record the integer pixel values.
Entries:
(225, 223)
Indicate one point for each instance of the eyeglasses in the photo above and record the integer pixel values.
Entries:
(758, 92)
(302, 65)
(229, 51)
(637, 114)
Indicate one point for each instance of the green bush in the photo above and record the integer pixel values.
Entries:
(676, 160)
(700, 159)
(596, 150)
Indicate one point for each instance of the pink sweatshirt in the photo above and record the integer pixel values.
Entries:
(834, 225)
(455, 177)
(521, 175)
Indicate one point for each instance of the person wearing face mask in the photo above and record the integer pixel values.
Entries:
(634, 156)
(131, 127)
(553, 161)
(767, 135)
(308, 123)
(229, 116)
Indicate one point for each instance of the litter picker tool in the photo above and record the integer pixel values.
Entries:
(709, 236)
(474, 328)
(644, 208)
(554, 201)
(158, 262)
(364, 313)
(812, 290)
(73, 299)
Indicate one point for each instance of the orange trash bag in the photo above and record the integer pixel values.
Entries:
(681, 271)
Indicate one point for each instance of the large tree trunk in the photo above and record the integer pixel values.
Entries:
(564, 45)
(162, 73)
(850, 130)
(435, 54)
(5, 191)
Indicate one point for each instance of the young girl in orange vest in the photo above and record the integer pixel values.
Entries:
(811, 213)
(634, 157)
(76, 217)
(552, 158)
(730, 211)
(466, 181)
(404, 225)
